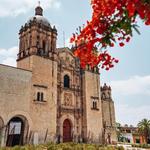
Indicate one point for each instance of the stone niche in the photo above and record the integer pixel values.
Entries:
(68, 99)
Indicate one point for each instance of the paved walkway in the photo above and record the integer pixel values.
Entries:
(129, 147)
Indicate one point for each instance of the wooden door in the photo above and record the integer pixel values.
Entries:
(67, 137)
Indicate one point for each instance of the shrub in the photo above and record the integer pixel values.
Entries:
(141, 145)
(64, 146)
(120, 148)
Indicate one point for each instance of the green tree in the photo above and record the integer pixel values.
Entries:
(144, 128)
(119, 134)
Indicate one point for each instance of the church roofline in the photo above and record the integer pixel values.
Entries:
(15, 67)
(61, 48)
(105, 87)
(64, 49)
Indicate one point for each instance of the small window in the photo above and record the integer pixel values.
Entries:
(108, 95)
(44, 46)
(66, 81)
(40, 96)
(103, 96)
(94, 105)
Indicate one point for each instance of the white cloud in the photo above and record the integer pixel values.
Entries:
(130, 111)
(10, 61)
(17, 7)
(11, 52)
(136, 85)
(127, 114)
(68, 44)
(8, 56)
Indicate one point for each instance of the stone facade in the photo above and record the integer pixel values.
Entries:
(108, 113)
(48, 97)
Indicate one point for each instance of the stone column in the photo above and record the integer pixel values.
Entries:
(3, 137)
(36, 138)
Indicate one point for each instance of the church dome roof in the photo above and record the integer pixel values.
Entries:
(39, 18)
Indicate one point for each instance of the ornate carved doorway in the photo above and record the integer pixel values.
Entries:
(15, 132)
(67, 136)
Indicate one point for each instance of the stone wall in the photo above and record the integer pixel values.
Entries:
(109, 120)
(18, 96)
(15, 90)
(92, 119)
(44, 79)
(69, 98)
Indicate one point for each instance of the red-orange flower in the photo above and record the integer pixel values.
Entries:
(112, 21)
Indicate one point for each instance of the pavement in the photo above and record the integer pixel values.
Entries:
(129, 147)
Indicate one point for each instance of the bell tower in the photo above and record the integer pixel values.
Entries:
(37, 53)
(108, 115)
(37, 37)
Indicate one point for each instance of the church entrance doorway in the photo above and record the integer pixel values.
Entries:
(67, 136)
(15, 132)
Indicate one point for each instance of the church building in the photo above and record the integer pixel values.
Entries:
(48, 97)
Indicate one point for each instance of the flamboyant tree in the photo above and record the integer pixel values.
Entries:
(112, 22)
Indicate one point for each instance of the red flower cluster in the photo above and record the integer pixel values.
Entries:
(112, 21)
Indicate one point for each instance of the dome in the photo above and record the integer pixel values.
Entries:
(39, 19)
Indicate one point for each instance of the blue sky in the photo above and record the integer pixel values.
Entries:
(130, 79)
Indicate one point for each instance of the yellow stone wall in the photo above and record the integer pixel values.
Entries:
(92, 119)
(109, 119)
(15, 91)
(18, 96)
(44, 73)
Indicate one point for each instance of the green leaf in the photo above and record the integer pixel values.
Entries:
(135, 27)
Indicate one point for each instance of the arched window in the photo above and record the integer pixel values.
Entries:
(66, 81)
(17, 128)
(109, 95)
(103, 96)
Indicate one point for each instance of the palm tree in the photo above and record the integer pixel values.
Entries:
(144, 128)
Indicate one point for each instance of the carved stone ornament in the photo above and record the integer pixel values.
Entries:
(68, 99)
